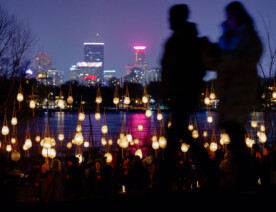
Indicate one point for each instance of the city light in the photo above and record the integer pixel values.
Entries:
(139, 47)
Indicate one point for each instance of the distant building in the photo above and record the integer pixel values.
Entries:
(128, 69)
(94, 53)
(108, 74)
(86, 73)
(51, 77)
(41, 64)
(140, 57)
(136, 75)
(152, 75)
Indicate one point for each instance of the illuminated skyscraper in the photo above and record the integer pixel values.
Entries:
(94, 53)
(41, 64)
(140, 57)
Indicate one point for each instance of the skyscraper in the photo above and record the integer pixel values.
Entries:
(94, 53)
(42, 63)
(140, 57)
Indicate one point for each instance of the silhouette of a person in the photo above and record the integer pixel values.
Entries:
(235, 58)
(182, 74)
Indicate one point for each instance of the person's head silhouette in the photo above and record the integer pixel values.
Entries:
(178, 15)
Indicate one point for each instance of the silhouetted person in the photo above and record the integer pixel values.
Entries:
(181, 81)
(235, 58)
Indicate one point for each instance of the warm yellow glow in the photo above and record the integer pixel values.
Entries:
(15, 156)
(5, 130)
(78, 138)
(69, 145)
(195, 134)
(212, 96)
(20, 97)
(44, 152)
(140, 127)
(99, 100)
(225, 137)
(53, 142)
(148, 113)
(169, 124)
(28, 143)
(254, 124)
(162, 142)
(37, 138)
(184, 147)
(61, 137)
(136, 141)
(110, 142)
(190, 127)
(70, 100)
(209, 119)
(13, 140)
(145, 99)
(154, 138)
(127, 100)
(79, 128)
(207, 100)
(129, 137)
(155, 145)
(116, 100)
(81, 116)
(79, 156)
(104, 129)
(60, 103)
(139, 153)
(104, 141)
(213, 146)
(14, 121)
(9, 148)
(52, 153)
(46, 142)
(32, 104)
(249, 142)
(159, 116)
(25, 148)
(274, 95)
(206, 145)
(97, 116)
(124, 143)
(262, 128)
(86, 144)
(205, 134)
(108, 157)
(262, 137)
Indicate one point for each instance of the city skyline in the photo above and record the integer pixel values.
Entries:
(62, 27)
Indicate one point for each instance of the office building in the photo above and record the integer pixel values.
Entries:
(152, 75)
(41, 64)
(140, 57)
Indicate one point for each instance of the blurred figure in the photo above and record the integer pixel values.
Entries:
(235, 58)
(181, 79)
(227, 169)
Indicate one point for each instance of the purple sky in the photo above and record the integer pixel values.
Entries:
(62, 26)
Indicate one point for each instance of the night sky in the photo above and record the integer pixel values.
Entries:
(62, 26)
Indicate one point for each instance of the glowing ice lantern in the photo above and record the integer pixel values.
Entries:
(99, 100)
(79, 156)
(169, 124)
(127, 100)
(140, 127)
(129, 137)
(97, 116)
(20, 97)
(52, 153)
(206, 145)
(184, 147)
(159, 116)
(258, 134)
(190, 127)
(108, 157)
(116, 100)
(262, 128)
(205, 134)
(212, 96)
(70, 100)
(9, 148)
(32, 104)
(46, 143)
(104, 129)
(81, 116)
(78, 139)
(15, 156)
(249, 142)
(154, 138)
(213, 146)
(44, 152)
(61, 137)
(13, 140)
(5, 130)
(209, 119)
(124, 143)
(28, 143)
(79, 128)
(25, 148)
(254, 124)
(60, 103)
(110, 142)
(37, 138)
(139, 153)
(274, 95)
(207, 100)
(145, 99)
(69, 145)
(86, 144)
(195, 134)
(155, 145)
(221, 141)
(163, 142)
(104, 142)
(136, 141)
(226, 138)
(14, 121)
(262, 138)
(53, 142)
(148, 113)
